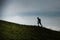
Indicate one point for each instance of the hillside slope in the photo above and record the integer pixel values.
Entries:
(12, 31)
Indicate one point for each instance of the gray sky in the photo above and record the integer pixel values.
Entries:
(26, 11)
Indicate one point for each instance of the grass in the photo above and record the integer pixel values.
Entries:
(13, 31)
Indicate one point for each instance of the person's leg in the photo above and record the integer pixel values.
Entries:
(41, 24)
(38, 24)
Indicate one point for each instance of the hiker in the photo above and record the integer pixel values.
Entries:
(39, 21)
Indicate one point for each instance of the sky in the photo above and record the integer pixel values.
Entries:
(27, 11)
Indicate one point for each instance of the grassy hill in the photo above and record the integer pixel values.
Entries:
(13, 31)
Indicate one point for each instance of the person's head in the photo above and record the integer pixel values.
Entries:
(37, 17)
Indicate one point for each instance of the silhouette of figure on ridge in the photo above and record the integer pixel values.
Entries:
(39, 21)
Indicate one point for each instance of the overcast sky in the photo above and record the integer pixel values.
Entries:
(26, 11)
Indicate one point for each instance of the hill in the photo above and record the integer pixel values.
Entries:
(13, 31)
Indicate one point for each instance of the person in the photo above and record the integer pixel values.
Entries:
(39, 21)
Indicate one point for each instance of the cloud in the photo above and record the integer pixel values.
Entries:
(21, 20)
(14, 7)
(37, 13)
(43, 5)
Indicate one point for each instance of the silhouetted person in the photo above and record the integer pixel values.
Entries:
(39, 21)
